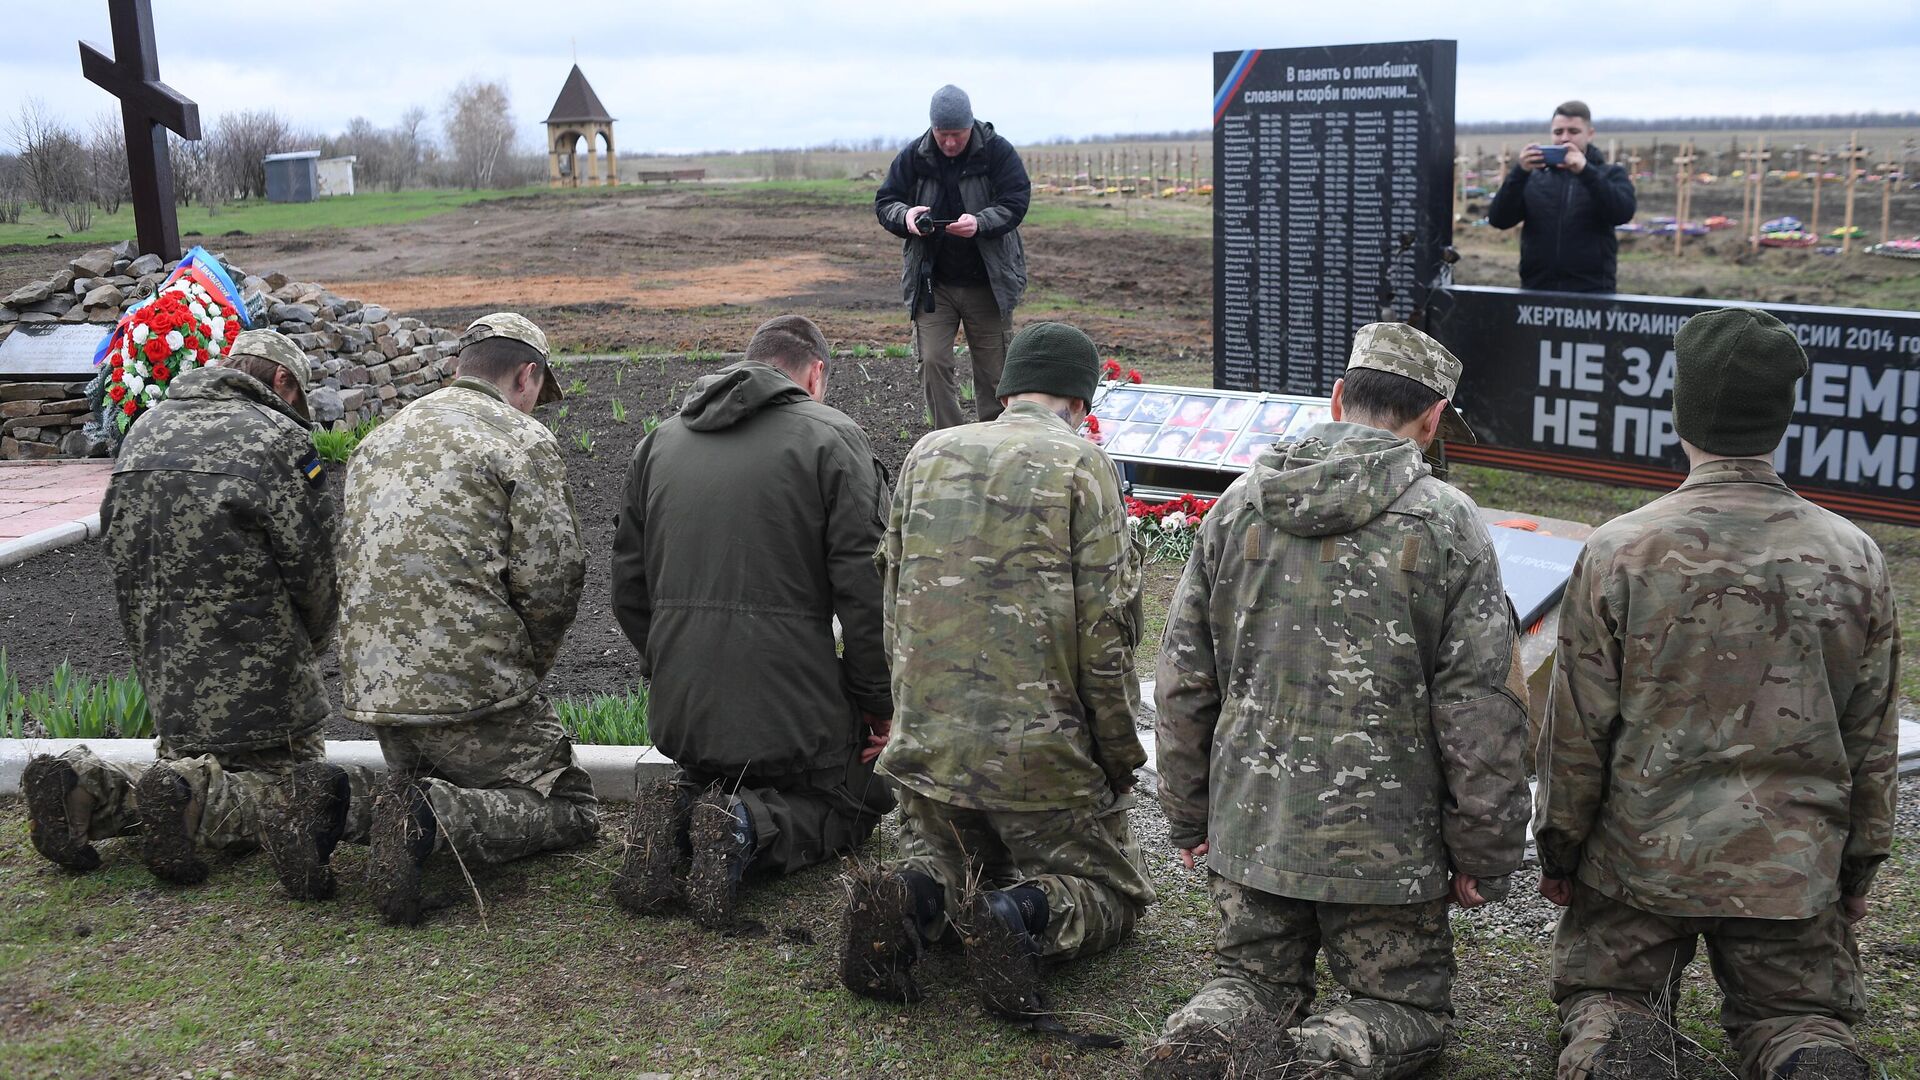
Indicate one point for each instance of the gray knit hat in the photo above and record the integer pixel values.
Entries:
(1050, 358)
(951, 109)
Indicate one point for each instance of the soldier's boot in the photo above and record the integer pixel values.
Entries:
(167, 811)
(1003, 958)
(301, 835)
(57, 812)
(647, 883)
(881, 939)
(723, 844)
(1639, 1048)
(400, 844)
(1225, 1029)
(1826, 1062)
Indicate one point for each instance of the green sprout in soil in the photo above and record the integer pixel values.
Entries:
(619, 376)
(13, 704)
(862, 351)
(607, 719)
(583, 439)
(706, 356)
(562, 414)
(576, 387)
(619, 411)
(896, 352)
(648, 425)
(966, 390)
(338, 446)
(73, 706)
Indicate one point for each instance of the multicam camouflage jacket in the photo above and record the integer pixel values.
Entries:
(461, 561)
(1012, 592)
(1334, 717)
(221, 537)
(1722, 737)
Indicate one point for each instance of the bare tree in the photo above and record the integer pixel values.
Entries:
(195, 179)
(107, 162)
(240, 143)
(411, 144)
(52, 160)
(13, 189)
(479, 131)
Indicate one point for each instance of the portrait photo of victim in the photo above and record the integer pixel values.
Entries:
(1192, 412)
(1274, 417)
(1155, 408)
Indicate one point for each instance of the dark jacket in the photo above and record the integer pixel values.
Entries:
(221, 538)
(750, 520)
(1568, 244)
(992, 186)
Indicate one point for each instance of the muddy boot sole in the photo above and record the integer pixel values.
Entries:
(713, 890)
(879, 945)
(48, 782)
(645, 883)
(165, 845)
(1641, 1049)
(1826, 1063)
(394, 858)
(1001, 963)
(292, 837)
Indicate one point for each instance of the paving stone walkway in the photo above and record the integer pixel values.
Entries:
(40, 495)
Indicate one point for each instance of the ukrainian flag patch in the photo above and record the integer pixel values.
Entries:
(310, 465)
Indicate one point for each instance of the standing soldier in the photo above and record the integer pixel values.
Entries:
(970, 270)
(1012, 598)
(1336, 737)
(1721, 743)
(463, 570)
(221, 535)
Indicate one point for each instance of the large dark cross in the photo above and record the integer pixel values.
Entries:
(149, 107)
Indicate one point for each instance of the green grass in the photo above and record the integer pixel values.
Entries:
(607, 719)
(108, 975)
(377, 208)
(338, 446)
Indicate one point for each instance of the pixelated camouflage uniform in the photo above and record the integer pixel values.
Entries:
(220, 533)
(1335, 723)
(1720, 760)
(1012, 594)
(462, 570)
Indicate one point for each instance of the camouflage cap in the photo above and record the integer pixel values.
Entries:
(275, 348)
(1402, 350)
(506, 324)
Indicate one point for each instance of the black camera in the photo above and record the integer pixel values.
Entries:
(932, 226)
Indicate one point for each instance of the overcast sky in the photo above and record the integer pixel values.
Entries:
(743, 74)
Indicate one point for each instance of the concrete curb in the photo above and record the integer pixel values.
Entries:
(616, 770)
(26, 547)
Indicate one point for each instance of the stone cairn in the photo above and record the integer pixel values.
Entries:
(367, 361)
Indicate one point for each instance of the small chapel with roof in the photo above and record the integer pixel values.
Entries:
(578, 115)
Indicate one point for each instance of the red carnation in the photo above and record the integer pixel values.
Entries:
(156, 348)
(1133, 375)
(116, 392)
(132, 406)
(161, 373)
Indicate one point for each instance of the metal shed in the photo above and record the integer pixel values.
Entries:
(293, 177)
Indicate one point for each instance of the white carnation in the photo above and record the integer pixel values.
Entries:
(1175, 520)
(174, 341)
(141, 332)
(198, 312)
(219, 326)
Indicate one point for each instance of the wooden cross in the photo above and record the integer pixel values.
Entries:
(1756, 160)
(1886, 198)
(1633, 164)
(1819, 173)
(149, 108)
(1683, 194)
(1853, 156)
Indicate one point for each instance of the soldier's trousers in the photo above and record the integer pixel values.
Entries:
(987, 333)
(800, 819)
(502, 787)
(1085, 860)
(1395, 959)
(1788, 984)
(235, 790)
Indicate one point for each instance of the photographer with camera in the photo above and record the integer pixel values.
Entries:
(1570, 199)
(956, 196)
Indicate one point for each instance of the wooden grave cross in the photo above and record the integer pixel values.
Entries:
(1854, 155)
(149, 108)
(1756, 160)
(1683, 194)
(1886, 198)
(1819, 173)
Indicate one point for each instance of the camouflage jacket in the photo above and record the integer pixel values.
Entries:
(1334, 717)
(221, 537)
(1012, 592)
(462, 563)
(1722, 736)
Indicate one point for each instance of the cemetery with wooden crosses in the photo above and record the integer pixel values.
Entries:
(1221, 274)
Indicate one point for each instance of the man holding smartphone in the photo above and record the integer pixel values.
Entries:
(1569, 198)
(956, 196)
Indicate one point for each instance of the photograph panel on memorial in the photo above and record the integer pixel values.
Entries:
(1333, 175)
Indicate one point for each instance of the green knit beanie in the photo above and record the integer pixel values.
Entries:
(1051, 358)
(1733, 377)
